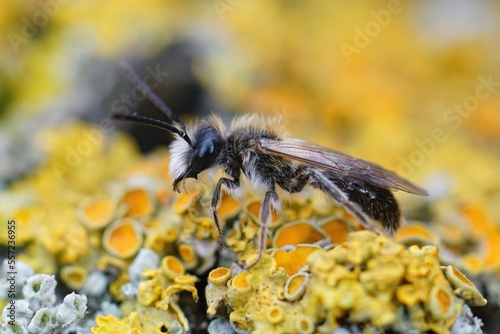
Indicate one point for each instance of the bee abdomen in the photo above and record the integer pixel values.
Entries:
(378, 203)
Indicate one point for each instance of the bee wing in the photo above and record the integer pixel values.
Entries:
(337, 162)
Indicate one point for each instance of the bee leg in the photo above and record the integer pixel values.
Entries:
(342, 198)
(271, 201)
(216, 199)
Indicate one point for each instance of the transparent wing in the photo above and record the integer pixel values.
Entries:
(338, 162)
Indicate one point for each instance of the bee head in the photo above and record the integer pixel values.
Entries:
(188, 161)
(193, 151)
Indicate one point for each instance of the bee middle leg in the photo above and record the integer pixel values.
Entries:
(216, 200)
(271, 201)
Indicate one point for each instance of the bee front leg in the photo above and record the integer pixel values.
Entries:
(216, 200)
(271, 201)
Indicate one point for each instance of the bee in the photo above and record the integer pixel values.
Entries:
(270, 159)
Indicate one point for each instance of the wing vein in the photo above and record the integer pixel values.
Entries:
(321, 157)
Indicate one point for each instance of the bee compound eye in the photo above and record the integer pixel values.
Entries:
(207, 146)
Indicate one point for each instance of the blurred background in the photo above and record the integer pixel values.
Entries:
(411, 85)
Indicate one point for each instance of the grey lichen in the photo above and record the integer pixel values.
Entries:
(72, 309)
(34, 309)
(95, 285)
(39, 291)
(146, 258)
(220, 326)
(467, 323)
(44, 321)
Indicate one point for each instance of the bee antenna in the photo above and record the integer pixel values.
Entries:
(144, 89)
(154, 123)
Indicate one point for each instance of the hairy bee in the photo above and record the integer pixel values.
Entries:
(270, 159)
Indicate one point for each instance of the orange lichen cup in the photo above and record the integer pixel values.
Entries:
(171, 267)
(139, 202)
(123, 238)
(240, 281)
(219, 276)
(296, 233)
(296, 286)
(275, 314)
(97, 214)
(464, 288)
(292, 261)
(229, 207)
(336, 228)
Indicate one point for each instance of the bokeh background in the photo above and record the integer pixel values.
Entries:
(373, 78)
(411, 85)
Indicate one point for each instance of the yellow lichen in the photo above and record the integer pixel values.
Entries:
(188, 255)
(415, 234)
(216, 290)
(72, 246)
(140, 319)
(452, 234)
(382, 274)
(410, 295)
(473, 262)
(110, 325)
(158, 296)
(491, 243)
(204, 228)
(187, 280)
(368, 273)
(173, 290)
(107, 260)
(149, 292)
(464, 288)
(171, 234)
(256, 295)
(73, 276)
(27, 220)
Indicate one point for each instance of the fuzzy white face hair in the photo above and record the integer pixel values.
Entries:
(180, 151)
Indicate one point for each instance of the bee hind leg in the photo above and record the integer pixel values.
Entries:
(216, 200)
(326, 185)
(271, 201)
